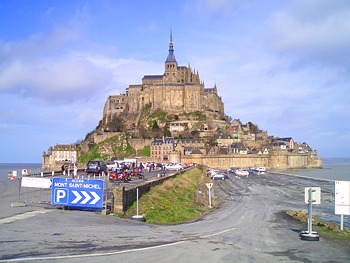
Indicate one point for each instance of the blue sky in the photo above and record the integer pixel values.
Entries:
(284, 65)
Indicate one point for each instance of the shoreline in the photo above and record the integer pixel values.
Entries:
(300, 176)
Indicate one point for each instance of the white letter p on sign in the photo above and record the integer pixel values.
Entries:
(60, 194)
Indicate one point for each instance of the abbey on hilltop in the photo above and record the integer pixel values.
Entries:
(173, 118)
(178, 90)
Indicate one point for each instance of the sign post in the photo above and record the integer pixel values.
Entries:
(138, 217)
(209, 185)
(342, 200)
(312, 196)
(77, 193)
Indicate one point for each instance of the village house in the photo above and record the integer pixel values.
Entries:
(176, 127)
(161, 148)
(286, 143)
(58, 155)
(238, 147)
(190, 146)
(223, 139)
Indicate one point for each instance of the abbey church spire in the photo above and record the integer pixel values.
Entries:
(171, 70)
(171, 56)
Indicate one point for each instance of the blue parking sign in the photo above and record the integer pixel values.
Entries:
(77, 192)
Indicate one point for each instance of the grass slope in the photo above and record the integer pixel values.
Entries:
(175, 201)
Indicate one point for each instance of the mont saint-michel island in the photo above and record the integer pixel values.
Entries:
(174, 118)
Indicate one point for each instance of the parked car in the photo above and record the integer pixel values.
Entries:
(174, 167)
(261, 170)
(219, 176)
(242, 172)
(211, 172)
(231, 170)
(96, 167)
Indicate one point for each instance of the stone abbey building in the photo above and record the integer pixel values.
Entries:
(178, 90)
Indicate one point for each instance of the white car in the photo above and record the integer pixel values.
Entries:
(219, 176)
(174, 167)
(212, 172)
(261, 170)
(242, 172)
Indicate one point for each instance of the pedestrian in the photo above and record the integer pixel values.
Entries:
(133, 167)
(141, 167)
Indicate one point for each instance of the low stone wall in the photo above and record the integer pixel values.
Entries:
(124, 197)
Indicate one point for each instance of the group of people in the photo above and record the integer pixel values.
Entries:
(65, 170)
(129, 167)
(138, 167)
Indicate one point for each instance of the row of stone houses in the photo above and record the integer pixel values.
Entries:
(236, 132)
(161, 149)
(225, 144)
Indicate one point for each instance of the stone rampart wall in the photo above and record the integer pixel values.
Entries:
(276, 160)
(104, 136)
(124, 197)
(139, 144)
(227, 161)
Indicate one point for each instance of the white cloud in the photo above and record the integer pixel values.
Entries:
(53, 80)
(314, 32)
(52, 70)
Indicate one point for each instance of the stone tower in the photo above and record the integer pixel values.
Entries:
(171, 72)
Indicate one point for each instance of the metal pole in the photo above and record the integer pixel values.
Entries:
(106, 193)
(209, 198)
(341, 222)
(137, 201)
(310, 211)
(19, 189)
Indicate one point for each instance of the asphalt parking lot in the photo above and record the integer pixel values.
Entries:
(249, 225)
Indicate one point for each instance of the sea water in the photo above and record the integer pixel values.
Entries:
(5, 168)
(334, 169)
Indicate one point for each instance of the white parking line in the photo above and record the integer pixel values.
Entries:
(219, 233)
(114, 252)
(22, 216)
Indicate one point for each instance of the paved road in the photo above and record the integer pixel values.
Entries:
(248, 226)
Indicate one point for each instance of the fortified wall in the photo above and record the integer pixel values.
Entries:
(275, 160)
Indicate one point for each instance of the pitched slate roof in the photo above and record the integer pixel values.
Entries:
(223, 136)
(185, 141)
(153, 76)
(238, 145)
(196, 151)
(167, 140)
